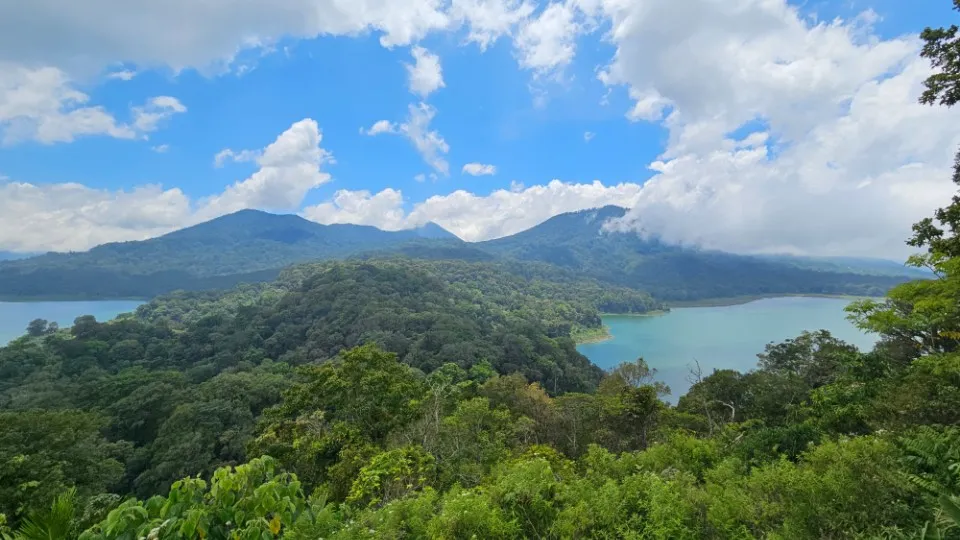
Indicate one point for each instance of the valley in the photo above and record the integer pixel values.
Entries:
(578, 369)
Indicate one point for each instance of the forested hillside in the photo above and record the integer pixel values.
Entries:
(251, 247)
(244, 247)
(436, 399)
(396, 398)
(579, 241)
(176, 389)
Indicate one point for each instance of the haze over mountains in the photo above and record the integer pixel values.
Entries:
(251, 245)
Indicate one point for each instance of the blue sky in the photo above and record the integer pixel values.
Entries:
(550, 105)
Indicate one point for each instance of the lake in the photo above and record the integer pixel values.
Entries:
(14, 316)
(725, 337)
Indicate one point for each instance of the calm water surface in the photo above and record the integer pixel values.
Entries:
(727, 337)
(14, 316)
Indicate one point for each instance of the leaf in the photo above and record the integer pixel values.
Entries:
(950, 508)
(275, 525)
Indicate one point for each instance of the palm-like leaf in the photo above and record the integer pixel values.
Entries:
(52, 524)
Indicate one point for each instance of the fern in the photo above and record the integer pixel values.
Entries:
(53, 524)
(934, 458)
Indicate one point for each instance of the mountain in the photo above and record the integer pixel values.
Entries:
(856, 265)
(248, 245)
(13, 255)
(253, 246)
(578, 241)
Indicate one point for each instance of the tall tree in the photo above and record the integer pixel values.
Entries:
(941, 234)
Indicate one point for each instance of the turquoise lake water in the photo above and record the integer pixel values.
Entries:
(14, 316)
(726, 337)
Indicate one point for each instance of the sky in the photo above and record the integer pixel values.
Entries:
(752, 126)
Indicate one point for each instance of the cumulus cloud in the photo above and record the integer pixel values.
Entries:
(548, 41)
(208, 36)
(43, 105)
(381, 126)
(428, 142)
(289, 168)
(808, 138)
(161, 148)
(479, 169)
(488, 20)
(65, 217)
(470, 216)
(69, 216)
(383, 209)
(425, 75)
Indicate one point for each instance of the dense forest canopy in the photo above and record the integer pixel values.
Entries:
(433, 399)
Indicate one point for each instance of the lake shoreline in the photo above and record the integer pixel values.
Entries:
(16, 316)
(721, 337)
(60, 299)
(739, 300)
(594, 335)
(604, 334)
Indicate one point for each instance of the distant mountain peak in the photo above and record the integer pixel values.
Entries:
(432, 230)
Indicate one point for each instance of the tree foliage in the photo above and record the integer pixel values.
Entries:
(411, 399)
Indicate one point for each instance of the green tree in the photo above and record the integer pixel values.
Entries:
(941, 234)
(250, 501)
(44, 453)
(37, 327)
(54, 523)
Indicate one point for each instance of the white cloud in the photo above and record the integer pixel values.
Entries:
(123, 75)
(161, 148)
(841, 158)
(425, 75)
(470, 216)
(420, 177)
(289, 168)
(490, 19)
(428, 142)
(156, 110)
(831, 152)
(43, 105)
(63, 217)
(479, 169)
(381, 126)
(71, 216)
(548, 41)
(384, 209)
(208, 36)
(588, 136)
(228, 154)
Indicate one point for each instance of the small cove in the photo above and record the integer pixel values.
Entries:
(14, 316)
(721, 337)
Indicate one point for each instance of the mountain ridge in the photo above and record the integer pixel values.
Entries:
(252, 245)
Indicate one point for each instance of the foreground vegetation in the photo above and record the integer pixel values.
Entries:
(401, 399)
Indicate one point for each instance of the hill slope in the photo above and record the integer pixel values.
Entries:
(241, 247)
(577, 241)
(253, 246)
